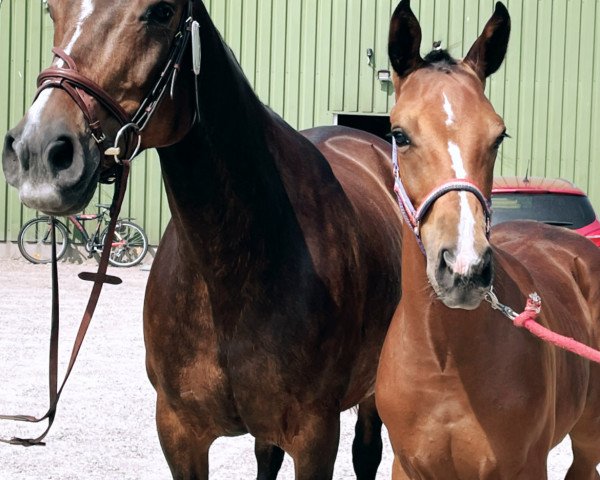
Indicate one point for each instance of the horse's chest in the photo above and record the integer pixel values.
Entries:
(212, 371)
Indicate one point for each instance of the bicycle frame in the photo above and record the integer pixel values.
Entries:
(91, 242)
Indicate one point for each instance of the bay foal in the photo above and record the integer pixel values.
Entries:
(463, 392)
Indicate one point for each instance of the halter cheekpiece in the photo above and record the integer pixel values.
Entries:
(414, 217)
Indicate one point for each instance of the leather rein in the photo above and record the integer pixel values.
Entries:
(88, 95)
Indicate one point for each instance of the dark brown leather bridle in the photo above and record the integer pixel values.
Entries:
(87, 95)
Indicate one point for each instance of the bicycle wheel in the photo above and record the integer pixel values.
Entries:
(35, 240)
(130, 244)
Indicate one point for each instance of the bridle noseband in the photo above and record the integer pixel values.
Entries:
(414, 217)
(86, 94)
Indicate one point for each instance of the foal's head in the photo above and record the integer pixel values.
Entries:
(122, 46)
(446, 129)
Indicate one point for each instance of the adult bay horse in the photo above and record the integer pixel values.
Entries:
(277, 277)
(463, 392)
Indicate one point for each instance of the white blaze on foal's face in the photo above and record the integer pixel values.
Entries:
(466, 256)
(449, 112)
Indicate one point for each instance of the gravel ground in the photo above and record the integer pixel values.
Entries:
(105, 423)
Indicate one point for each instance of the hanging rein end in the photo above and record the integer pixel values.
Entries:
(26, 442)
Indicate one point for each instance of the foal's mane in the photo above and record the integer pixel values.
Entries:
(439, 59)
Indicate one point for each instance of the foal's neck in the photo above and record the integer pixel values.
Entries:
(440, 332)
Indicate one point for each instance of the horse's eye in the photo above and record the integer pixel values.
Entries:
(159, 13)
(499, 140)
(402, 139)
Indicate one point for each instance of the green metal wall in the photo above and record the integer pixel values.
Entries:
(307, 60)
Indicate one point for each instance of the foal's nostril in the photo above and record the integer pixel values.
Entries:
(60, 154)
(446, 260)
(487, 270)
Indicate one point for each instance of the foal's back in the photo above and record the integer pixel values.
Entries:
(565, 271)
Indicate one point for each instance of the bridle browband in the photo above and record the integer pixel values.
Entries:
(87, 94)
(414, 217)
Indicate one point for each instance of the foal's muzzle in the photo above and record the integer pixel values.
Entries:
(463, 289)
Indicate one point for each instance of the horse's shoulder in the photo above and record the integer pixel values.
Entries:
(345, 138)
(355, 156)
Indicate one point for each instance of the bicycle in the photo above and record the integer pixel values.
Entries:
(129, 246)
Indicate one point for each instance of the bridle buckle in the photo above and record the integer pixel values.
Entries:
(100, 139)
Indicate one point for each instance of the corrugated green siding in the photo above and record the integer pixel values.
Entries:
(307, 60)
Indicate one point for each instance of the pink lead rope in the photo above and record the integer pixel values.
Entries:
(527, 320)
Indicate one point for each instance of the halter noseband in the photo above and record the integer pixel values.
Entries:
(86, 93)
(414, 217)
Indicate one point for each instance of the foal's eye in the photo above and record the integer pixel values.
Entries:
(499, 140)
(402, 139)
(159, 13)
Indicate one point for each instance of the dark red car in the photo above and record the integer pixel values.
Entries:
(552, 201)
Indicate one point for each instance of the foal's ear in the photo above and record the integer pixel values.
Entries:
(488, 51)
(405, 40)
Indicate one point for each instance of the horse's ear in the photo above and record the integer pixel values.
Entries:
(405, 40)
(488, 52)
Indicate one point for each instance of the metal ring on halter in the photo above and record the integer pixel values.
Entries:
(116, 150)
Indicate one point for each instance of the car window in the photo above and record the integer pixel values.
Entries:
(571, 211)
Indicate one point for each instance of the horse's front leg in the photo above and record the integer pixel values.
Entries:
(314, 447)
(269, 458)
(185, 451)
(367, 445)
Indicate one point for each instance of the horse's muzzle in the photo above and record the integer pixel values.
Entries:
(54, 169)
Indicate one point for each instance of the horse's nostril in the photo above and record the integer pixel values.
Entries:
(10, 157)
(60, 154)
(9, 149)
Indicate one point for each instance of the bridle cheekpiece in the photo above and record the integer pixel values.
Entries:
(87, 94)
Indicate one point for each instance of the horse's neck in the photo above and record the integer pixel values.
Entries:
(223, 179)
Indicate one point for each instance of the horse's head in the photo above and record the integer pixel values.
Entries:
(447, 135)
(53, 156)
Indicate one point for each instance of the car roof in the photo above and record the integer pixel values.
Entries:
(535, 185)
